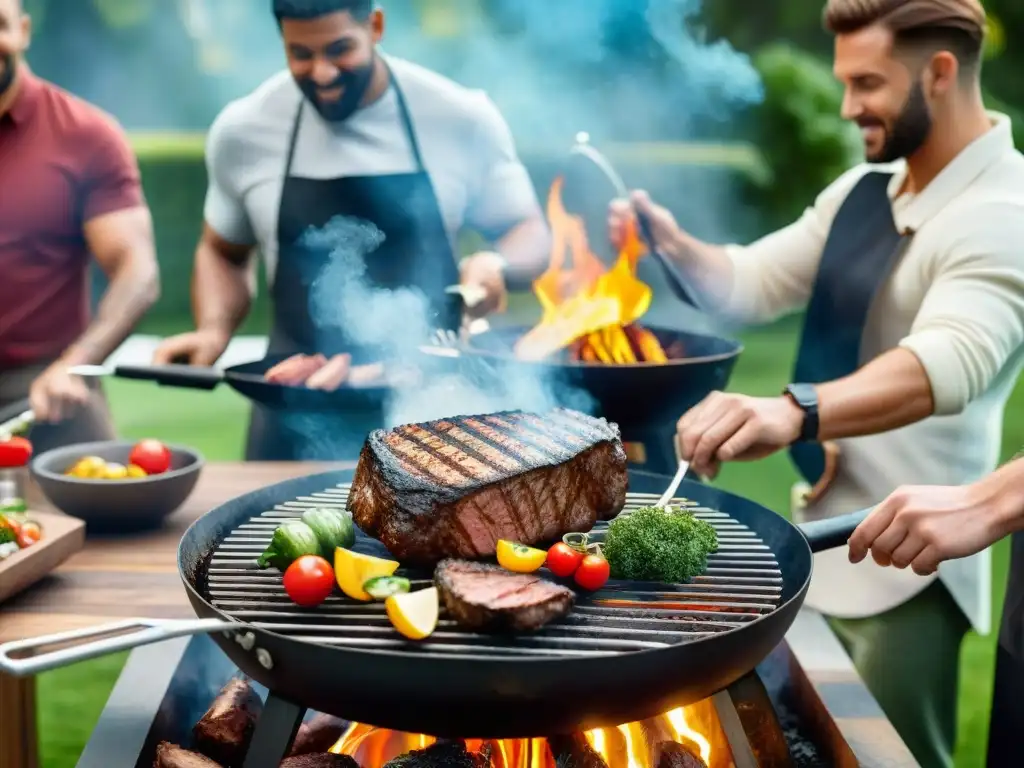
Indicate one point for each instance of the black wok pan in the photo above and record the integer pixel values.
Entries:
(342, 657)
(248, 380)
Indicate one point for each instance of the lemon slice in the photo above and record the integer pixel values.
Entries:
(352, 570)
(414, 614)
(519, 557)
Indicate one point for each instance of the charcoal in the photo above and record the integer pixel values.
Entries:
(318, 734)
(674, 755)
(574, 751)
(172, 756)
(320, 760)
(443, 754)
(224, 732)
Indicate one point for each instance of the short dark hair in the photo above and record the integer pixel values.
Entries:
(957, 26)
(311, 9)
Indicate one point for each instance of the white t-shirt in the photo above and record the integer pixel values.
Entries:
(955, 298)
(466, 145)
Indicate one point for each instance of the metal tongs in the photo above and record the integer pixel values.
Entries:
(678, 282)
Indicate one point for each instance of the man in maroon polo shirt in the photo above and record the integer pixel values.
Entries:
(69, 189)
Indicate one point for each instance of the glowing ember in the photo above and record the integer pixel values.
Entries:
(661, 742)
(589, 310)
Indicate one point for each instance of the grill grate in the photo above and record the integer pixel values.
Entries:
(742, 583)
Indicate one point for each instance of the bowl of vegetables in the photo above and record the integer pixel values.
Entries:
(118, 484)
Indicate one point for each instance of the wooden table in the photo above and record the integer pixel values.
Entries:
(115, 578)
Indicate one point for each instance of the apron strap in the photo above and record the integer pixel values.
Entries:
(406, 118)
(293, 138)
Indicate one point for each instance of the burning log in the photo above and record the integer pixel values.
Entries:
(319, 734)
(320, 760)
(224, 732)
(443, 754)
(172, 756)
(574, 751)
(671, 754)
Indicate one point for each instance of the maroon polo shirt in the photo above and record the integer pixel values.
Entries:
(62, 163)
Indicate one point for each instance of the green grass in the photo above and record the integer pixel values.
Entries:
(215, 422)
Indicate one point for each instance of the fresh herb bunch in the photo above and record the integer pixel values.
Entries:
(657, 544)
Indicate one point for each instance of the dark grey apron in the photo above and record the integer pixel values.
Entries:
(415, 252)
(862, 247)
(1007, 723)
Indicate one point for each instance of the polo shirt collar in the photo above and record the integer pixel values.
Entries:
(976, 158)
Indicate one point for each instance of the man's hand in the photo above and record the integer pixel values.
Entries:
(727, 427)
(666, 232)
(55, 395)
(202, 347)
(921, 526)
(482, 275)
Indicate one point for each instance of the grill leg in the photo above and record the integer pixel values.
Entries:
(275, 731)
(751, 726)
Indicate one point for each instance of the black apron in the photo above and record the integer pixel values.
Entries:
(414, 252)
(862, 247)
(1007, 723)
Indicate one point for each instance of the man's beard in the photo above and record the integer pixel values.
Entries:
(8, 69)
(909, 131)
(354, 84)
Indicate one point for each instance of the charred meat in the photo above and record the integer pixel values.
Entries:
(454, 487)
(484, 596)
(224, 732)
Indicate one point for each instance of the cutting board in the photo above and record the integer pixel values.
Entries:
(62, 537)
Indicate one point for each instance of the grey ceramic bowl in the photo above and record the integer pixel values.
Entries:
(116, 504)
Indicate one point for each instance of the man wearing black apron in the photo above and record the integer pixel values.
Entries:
(910, 274)
(936, 524)
(354, 174)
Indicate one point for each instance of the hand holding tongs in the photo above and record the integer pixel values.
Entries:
(677, 281)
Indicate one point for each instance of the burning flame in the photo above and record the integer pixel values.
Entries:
(635, 745)
(587, 308)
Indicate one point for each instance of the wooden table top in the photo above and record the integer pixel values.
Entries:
(133, 575)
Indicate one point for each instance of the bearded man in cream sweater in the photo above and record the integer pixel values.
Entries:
(911, 271)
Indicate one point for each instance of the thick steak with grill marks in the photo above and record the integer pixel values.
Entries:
(485, 596)
(454, 487)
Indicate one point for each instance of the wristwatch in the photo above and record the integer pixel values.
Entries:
(806, 398)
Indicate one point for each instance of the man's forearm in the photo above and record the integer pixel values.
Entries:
(890, 392)
(1004, 490)
(526, 249)
(222, 291)
(131, 291)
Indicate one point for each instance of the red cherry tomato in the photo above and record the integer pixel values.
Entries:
(152, 456)
(15, 452)
(309, 580)
(29, 534)
(563, 560)
(593, 572)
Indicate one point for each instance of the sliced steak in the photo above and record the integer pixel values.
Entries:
(454, 487)
(484, 596)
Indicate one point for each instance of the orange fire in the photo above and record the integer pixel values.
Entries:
(694, 729)
(587, 308)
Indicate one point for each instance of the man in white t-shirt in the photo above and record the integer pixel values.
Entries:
(391, 158)
(911, 272)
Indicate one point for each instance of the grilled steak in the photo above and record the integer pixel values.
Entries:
(453, 487)
(484, 596)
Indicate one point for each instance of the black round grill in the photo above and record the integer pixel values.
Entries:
(742, 583)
